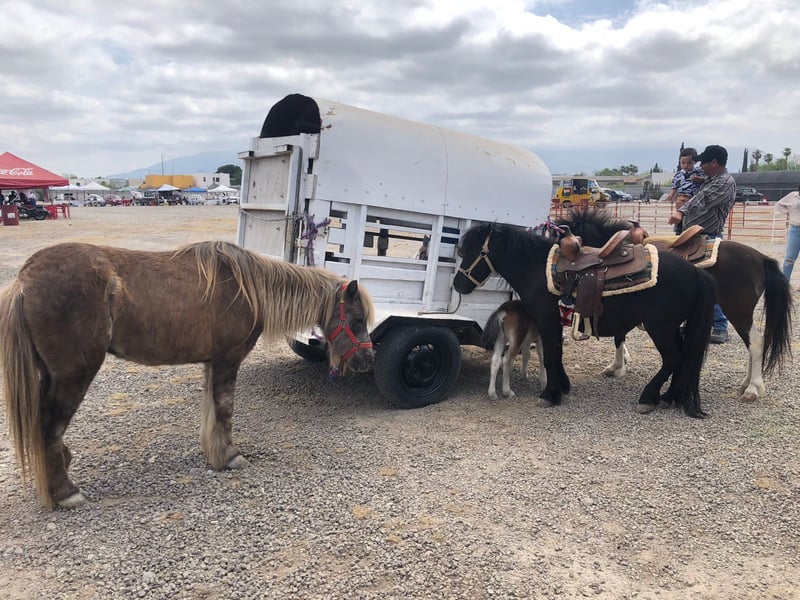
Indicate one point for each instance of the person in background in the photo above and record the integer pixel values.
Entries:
(686, 181)
(709, 208)
(790, 205)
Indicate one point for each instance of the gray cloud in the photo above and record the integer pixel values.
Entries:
(150, 78)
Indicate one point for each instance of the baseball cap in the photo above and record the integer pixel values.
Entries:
(712, 152)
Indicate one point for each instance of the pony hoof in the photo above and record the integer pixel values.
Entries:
(493, 396)
(238, 462)
(74, 501)
(748, 397)
(609, 372)
(542, 403)
(510, 394)
(644, 409)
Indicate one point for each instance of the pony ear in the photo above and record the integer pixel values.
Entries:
(352, 289)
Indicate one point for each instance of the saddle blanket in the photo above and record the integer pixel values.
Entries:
(641, 280)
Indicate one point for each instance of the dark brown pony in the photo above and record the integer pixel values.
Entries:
(204, 303)
(743, 275)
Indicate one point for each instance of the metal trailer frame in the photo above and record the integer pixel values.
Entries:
(358, 192)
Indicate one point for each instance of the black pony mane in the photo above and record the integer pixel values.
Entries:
(517, 241)
(594, 226)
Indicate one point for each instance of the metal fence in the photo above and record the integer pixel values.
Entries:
(746, 222)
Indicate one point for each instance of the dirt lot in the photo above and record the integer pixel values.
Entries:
(349, 498)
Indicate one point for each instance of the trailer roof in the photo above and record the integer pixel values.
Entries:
(398, 163)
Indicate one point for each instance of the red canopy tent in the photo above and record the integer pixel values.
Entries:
(18, 174)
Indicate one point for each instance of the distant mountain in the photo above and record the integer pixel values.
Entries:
(204, 162)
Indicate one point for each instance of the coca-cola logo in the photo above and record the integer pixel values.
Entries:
(18, 172)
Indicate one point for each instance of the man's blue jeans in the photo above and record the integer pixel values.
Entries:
(720, 320)
(792, 250)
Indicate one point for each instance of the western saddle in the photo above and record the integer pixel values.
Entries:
(582, 272)
(689, 245)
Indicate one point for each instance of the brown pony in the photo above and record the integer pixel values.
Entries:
(511, 325)
(204, 303)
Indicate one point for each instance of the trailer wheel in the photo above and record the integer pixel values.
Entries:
(417, 365)
(316, 353)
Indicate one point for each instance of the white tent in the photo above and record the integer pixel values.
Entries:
(93, 186)
(221, 188)
(66, 188)
(168, 188)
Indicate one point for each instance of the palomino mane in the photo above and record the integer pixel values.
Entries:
(283, 296)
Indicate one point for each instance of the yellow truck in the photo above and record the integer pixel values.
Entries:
(580, 191)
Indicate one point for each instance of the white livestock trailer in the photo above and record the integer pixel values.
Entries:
(384, 200)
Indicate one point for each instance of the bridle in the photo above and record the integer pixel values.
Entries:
(483, 256)
(343, 327)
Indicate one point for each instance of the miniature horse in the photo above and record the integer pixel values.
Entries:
(511, 325)
(743, 275)
(681, 293)
(204, 303)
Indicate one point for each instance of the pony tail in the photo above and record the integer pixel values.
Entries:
(22, 389)
(777, 317)
(695, 344)
(492, 329)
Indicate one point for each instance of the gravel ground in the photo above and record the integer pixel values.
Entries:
(349, 498)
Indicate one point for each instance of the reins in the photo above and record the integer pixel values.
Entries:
(343, 327)
(483, 256)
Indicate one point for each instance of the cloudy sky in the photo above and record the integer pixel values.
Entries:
(94, 88)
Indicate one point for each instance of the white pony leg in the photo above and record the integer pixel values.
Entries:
(508, 365)
(497, 357)
(619, 367)
(540, 355)
(525, 349)
(753, 384)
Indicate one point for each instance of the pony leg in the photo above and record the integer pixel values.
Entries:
(497, 358)
(215, 427)
(60, 402)
(525, 350)
(514, 346)
(753, 384)
(557, 380)
(540, 356)
(619, 367)
(668, 347)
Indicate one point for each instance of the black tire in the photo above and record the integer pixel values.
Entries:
(600, 205)
(40, 215)
(315, 353)
(566, 204)
(417, 365)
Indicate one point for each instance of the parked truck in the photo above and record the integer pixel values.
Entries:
(384, 200)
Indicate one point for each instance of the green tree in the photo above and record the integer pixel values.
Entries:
(787, 152)
(234, 171)
(768, 158)
(756, 158)
(744, 162)
(622, 170)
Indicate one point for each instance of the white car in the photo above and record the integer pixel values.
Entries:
(95, 200)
